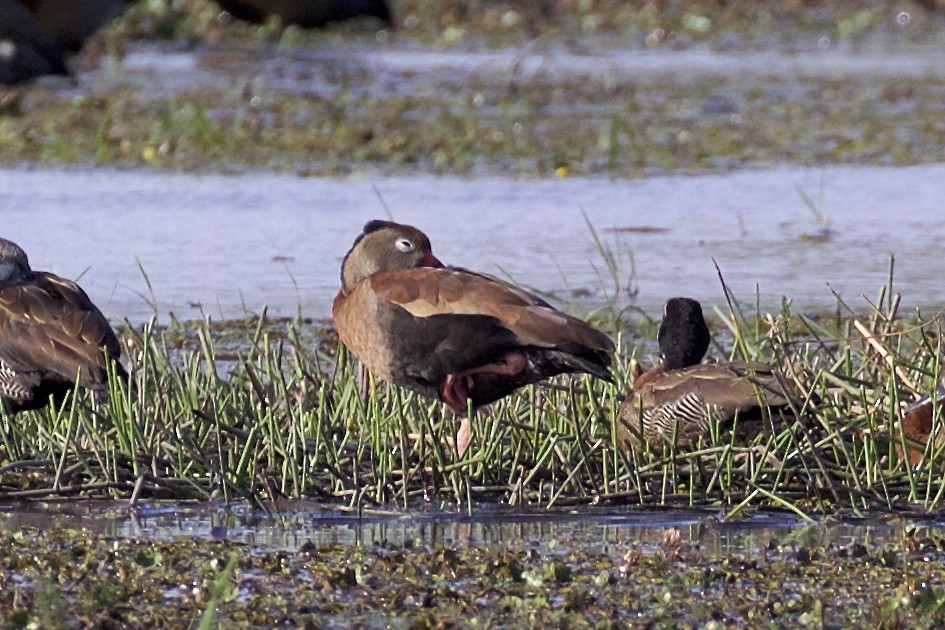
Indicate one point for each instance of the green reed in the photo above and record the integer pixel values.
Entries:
(286, 413)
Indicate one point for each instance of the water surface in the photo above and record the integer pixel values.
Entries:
(225, 244)
(399, 68)
(591, 530)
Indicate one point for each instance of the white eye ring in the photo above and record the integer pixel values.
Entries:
(404, 245)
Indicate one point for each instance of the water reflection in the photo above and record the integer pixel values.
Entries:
(225, 244)
(552, 532)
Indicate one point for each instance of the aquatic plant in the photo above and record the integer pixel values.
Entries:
(81, 578)
(559, 120)
(285, 413)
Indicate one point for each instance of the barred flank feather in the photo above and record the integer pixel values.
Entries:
(674, 403)
(680, 403)
(17, 386)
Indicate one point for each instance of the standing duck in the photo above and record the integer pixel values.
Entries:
(50, 332)
(675, 400)
(464, 337)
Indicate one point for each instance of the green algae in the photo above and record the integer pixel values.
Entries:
(530, 132)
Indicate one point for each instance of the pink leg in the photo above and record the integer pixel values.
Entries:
(454, 389)
(455, 393)
(463, 436)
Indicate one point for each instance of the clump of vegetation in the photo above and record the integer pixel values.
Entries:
(285, 415)
(642, 23)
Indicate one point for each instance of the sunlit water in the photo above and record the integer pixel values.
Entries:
(221, 244)
(618, 62)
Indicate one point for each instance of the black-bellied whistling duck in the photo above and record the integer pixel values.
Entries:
(306, 13)
(50, 332)
(72, 22)
(464, 337)
(675, 400)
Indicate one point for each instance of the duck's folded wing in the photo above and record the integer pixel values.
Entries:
(727, 387)
(51, 326)
(427, 292)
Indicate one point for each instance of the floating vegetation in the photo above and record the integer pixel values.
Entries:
(74, 578)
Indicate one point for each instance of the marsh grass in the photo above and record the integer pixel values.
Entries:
(285, 414)
(512, 120)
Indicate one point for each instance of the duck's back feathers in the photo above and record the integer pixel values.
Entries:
(917, 427)
(430, 292)
(677, 405)
(50, 333)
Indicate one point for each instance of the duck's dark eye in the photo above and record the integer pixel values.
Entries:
(404, 245)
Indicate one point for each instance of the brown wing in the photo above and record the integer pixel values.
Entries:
(416, 326)
(680, 401)
(427, 292)
(729, 387)
(49, 325)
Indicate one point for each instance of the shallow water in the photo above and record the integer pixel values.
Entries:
(550, 531)
(403, 69)
(532, 60)
(220, 244)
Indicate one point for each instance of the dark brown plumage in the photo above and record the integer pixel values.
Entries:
(27, 50)
(450, 333)
(306, 13)
(72, 22)
(675, 401)
(50, 333)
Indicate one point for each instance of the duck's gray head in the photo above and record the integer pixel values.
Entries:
(14, 265)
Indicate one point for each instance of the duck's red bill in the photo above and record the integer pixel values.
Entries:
(429, 260)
